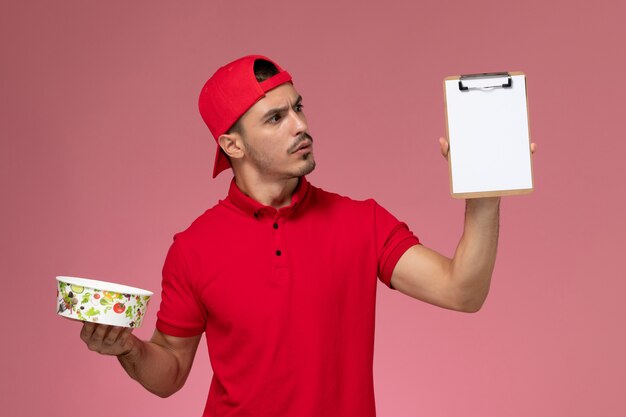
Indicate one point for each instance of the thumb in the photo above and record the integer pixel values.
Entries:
(444, 147)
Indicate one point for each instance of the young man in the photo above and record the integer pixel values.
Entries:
(282, 275)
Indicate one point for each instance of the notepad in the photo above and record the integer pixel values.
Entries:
(488, 132)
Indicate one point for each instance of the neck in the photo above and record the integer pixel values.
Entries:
(273, 193)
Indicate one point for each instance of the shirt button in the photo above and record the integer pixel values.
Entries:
(275, 225)
(256, 215)
(278, 253)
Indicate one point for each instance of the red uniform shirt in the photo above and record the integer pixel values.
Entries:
(287, 300)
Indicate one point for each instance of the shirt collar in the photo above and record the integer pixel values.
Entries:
(255, 209)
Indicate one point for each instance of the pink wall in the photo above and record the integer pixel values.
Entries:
(104, 156)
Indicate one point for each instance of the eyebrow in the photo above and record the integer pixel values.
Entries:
(278, 110)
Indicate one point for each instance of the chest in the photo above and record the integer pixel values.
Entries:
(282, 272)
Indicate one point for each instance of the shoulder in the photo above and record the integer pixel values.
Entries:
(204, 227)
(326, 200)
(321, 194)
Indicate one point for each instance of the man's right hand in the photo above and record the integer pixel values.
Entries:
(108, 340)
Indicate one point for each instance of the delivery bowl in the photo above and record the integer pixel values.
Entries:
(101, 302)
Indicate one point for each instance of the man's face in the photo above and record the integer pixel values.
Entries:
(275, 136)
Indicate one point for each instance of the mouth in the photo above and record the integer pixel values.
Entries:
(304, 146)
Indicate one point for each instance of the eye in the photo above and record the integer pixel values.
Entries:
(275, 118)
(299, 107)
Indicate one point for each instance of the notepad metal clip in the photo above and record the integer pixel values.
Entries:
(485, 81)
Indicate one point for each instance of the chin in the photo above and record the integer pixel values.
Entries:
(306, 169)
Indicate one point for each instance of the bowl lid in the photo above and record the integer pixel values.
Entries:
(104, 286)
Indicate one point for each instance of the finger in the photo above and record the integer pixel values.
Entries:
(98, 335)
(533, 147)
(124, 336)
(87, 330)
(122, 345)
(111, 337)
(444, 146)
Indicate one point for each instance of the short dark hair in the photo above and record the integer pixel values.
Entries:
(262, 71)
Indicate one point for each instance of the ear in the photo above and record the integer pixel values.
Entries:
(232, 145)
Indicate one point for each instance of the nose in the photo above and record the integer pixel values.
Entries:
(299, 122)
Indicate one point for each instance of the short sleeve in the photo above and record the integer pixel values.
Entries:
(180, 313)
(393, 238)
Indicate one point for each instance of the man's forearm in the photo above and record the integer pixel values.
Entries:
(160, 365)
(154, 367)
(475, 256)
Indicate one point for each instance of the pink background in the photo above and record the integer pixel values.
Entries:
(104, 157)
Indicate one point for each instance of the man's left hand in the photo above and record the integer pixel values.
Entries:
(445, 147)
